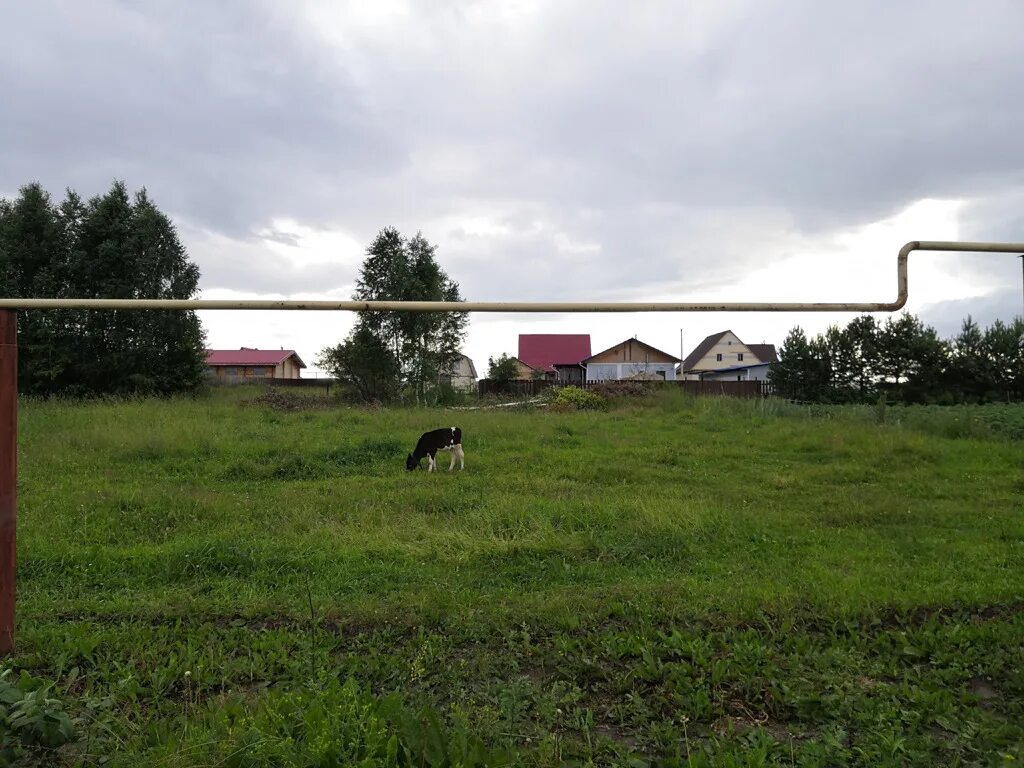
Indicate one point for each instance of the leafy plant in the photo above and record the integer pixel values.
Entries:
(30, 719)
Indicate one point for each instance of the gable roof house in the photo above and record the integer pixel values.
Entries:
(462, 375)
(631, 359)
(723, 356)
(236, 366)
(555, 355)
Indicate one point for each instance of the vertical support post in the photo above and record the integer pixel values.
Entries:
(681, 358)
(1021, 257)
(8, 472)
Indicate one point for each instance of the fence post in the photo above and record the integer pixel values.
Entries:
(8, 472)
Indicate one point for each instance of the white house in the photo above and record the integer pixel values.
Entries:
(631, 359)
(462, 375)
(723, 351)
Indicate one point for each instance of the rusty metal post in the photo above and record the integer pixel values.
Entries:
(8, 472)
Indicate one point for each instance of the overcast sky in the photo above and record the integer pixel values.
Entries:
(562, 150)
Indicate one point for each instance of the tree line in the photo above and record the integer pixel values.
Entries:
(114, 246)
(904, 360)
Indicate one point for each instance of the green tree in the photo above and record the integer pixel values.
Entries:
(502, 371)
(1003, 349)
(33, 259)
(425, 345)
(861, 338)
(111, 247)
(912, 359)
(364, 363)
(802, 371)
(967, 372)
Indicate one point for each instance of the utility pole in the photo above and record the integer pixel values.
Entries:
(8, 472)
(681, 353)
(1021, 257)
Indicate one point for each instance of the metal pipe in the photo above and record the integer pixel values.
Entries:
(8, 472)
(536, 306)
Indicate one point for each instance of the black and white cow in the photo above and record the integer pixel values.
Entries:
(449, 439)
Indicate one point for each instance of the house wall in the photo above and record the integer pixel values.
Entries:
(569, 374)
(287, 369)
(610, 371)
(239, 374)
(524, 372)
(753, 373)
(462, 377)
(730, 348)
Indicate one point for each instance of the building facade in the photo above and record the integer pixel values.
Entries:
(239, 366)
(631, 359)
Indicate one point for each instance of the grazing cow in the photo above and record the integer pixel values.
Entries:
(430, 443)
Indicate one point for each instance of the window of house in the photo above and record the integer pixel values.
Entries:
(739, 355)
(719, 357)
(231, 371)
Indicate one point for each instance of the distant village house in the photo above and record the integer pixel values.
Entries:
(723, 357)
(238, 366)
(631, 359)
(553, 356)
(462, 375)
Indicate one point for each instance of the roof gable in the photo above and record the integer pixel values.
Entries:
(634, 340)
(702, 349)
(766, 353)
(469, 365)
(541, 351)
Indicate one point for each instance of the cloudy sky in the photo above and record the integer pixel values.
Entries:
(578, 149)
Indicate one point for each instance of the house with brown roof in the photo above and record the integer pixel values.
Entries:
(723, 356)
(238, 366)
(631, 359)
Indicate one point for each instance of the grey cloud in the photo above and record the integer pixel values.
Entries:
(947, 317)
(228, 116)
(677, 137)
(251, 267)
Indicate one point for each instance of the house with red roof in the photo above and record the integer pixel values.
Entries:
(237, 366)
(556, 356)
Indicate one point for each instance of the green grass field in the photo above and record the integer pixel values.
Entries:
(673, 581)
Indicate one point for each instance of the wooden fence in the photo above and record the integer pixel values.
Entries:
(527, 388)
(728, 388)
(304, 383)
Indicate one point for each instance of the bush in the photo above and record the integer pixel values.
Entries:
(614, 389)
(574, 398)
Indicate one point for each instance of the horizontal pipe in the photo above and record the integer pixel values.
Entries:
(536, 306)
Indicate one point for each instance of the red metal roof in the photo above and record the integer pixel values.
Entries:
(247, 356)
(543, 350)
